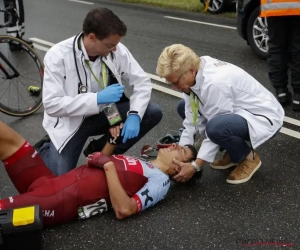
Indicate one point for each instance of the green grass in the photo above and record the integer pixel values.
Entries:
(188, 5)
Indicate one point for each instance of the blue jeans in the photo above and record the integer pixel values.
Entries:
(228, 131)
(231, 133)
(60, 163)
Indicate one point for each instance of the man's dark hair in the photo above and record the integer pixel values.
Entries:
(194, 152)
(103, 23)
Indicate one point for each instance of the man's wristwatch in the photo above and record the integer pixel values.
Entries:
(132, 112)
(196, 167)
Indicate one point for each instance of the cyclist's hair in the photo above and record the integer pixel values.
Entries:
(103, 23)
(176, 58)
(194, 152)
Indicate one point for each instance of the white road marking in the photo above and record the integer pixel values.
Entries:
(292, 121)
(163, 89)
(205, 23)
(36, 46)
(34, 39)
(290, 132)
(77, 1)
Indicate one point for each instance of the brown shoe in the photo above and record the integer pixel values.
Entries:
(244, 170)
(223, 163)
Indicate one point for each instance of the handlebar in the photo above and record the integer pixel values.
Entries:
(9, 15)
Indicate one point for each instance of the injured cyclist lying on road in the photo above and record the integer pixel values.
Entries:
(127, 184)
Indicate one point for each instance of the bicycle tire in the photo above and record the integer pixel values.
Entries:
(15, 97)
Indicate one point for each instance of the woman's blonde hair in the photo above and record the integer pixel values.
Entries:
(178, 59)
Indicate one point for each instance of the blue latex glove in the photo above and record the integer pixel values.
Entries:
(131, 127)
(110, 94)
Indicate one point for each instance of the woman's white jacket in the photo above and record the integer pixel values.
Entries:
(223, 88)
(66, 109)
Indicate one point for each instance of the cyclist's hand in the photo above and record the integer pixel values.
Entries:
(97, 159)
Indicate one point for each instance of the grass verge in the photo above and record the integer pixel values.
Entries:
(188, 5)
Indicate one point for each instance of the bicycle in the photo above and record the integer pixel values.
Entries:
(21, 75)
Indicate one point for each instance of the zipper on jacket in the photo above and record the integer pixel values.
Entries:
(56, 122)
(261, 116)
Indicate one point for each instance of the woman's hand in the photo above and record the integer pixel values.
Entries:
(186, 172)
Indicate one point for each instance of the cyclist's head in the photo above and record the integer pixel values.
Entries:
(167, 155)
(103, 23)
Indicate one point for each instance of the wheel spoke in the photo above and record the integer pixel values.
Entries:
(15, 98)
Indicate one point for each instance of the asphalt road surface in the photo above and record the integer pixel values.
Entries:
(260, 214)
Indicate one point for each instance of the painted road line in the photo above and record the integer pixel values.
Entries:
(37, 46)
(290, 132)
(205, 23)
(77, 1)
(166, 90)
(37, 40)
(163, 89)
(292, 121)
(173, 92)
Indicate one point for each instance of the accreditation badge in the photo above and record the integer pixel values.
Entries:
(112, 113)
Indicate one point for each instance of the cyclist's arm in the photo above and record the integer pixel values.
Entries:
(123, 205)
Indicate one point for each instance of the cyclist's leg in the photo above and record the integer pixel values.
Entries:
(56, 196)
(21, 161)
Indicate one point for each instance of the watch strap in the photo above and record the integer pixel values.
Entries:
(196, 167)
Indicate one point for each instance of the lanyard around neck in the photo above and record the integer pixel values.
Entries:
(195, 107)
(103, 68)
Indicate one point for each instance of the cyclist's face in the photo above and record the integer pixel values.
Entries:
(180, 153)
(105, 46)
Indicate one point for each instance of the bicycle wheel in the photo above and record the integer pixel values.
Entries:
(21, 77)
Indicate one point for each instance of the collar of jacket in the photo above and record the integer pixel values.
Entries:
(81, 55)
(79, 48)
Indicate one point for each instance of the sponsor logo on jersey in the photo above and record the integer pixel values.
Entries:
(113, 140)
(149, 165)
(34, 154)
(166, 182)
(148, 197)
(11, 199)
(26, 145)
(48, 213)
(130, 164)
(131, 161)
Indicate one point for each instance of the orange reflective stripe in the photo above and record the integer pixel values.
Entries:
(283, 1)
(279, 8)
(267, 13)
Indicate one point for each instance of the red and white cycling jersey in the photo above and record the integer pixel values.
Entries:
(60, 196)
(156, 187)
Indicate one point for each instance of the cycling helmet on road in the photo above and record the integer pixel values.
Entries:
(169, 139)
(150, 152)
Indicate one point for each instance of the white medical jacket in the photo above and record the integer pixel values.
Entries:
(66, 109)
(223, 88)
